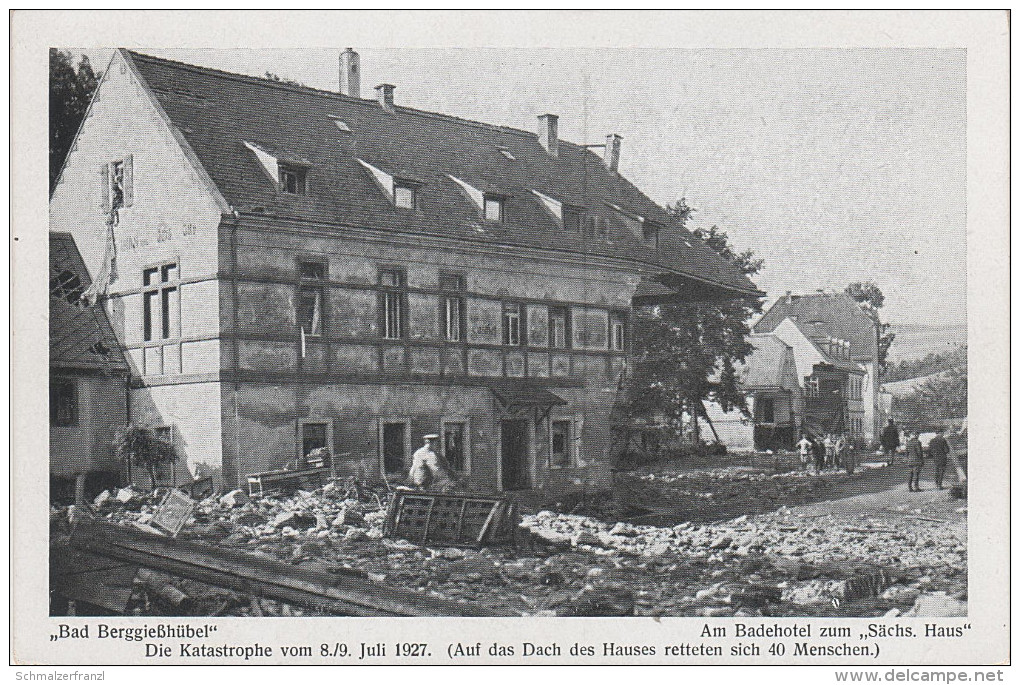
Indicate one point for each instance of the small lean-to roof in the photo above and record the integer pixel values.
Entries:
(770, 367)
(81, 337)
(217, 113)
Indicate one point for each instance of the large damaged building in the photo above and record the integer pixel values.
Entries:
(291, 269)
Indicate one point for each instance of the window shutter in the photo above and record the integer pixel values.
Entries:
(129, 180)
(104, 175)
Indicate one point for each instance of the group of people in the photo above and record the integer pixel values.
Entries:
(834, 450)
(938, 449)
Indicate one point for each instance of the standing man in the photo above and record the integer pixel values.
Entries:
(938, 450)
(818, 447)
(915, 460)
(427, 468)
(890, 440)
(805, 450)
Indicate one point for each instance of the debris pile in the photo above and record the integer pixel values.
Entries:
(787, 562)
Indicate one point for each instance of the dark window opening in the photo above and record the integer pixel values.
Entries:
(312, 270)
(314, 436)
(560, 454)
(117, 185)
(63, 402)
(310, 311)
(573, 218)
(765, 410)
(393, 444)
(293, 179)
(392, 303)
(66, 285)
(454, 449)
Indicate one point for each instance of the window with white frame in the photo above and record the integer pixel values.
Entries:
(161, 303)
(293, 179)
(512, 323)
(559, 328)
(811, 386)
(405, 195)
(617, 332)
(494, 208)
(310, 297)
(452, 310)
(63, 402)
(392, 300)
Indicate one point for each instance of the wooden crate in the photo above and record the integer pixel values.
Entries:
(451, 520)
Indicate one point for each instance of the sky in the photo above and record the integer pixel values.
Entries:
(833, 165)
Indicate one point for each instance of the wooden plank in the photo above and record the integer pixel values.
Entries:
(95, 579)
(262, 576)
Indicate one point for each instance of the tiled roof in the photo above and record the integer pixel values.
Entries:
(80, 335)
(217, 113)
(825, 314)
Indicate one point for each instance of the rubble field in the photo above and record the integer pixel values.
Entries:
(803, 546)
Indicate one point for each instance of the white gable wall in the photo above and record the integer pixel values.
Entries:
(174, 216)
(805, 354)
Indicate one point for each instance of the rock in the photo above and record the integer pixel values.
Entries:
(585, 538)
(355, 534)
(234, 498)
(624, 529)
(251, 519)
(721, 542)
(294, 519)
(349, 516)
(600, 602)
(937, 605)
(289, 532)
(125, 495)
(715, 611)
(892, 613)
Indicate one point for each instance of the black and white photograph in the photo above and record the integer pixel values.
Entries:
(604, 332)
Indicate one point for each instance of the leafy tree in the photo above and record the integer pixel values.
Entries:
(869, 293)
(686, 353)
(937, 400)
(933, 362)
(140, 446)
(276, 77)
(71, 91)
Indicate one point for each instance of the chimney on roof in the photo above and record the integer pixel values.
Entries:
(789, 296)
(548, 133)
(350, 73)
(612, 157)
(384, 94)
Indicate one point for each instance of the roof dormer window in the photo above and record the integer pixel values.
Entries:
(495, 208)
(573, 218)
(293, 179)
(405, 194)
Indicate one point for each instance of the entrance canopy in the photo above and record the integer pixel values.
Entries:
(514, 400)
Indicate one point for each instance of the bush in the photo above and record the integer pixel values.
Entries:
(141, 446)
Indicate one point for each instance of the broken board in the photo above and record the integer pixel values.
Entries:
(173, 512)
(85, 577)
(451, 520)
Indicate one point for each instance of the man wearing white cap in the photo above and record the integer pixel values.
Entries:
(426, 466)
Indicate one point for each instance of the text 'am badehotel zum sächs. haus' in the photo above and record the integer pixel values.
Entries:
(297, 268)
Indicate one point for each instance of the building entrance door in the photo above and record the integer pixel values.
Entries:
(514, 441)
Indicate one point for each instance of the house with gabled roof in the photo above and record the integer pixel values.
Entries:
(88, 377)
(292, 269)
(842, 334)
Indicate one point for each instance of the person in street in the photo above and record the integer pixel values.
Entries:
(818, 448)
(804, 446)
(427, 467)
(890, 440)
(915, 460)
(830, 450)
(938, 450)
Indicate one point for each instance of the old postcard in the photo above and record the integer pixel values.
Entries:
(665, 323)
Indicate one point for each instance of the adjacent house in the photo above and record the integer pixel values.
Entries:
(835, 341)
(88, 377)
(292, 269)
